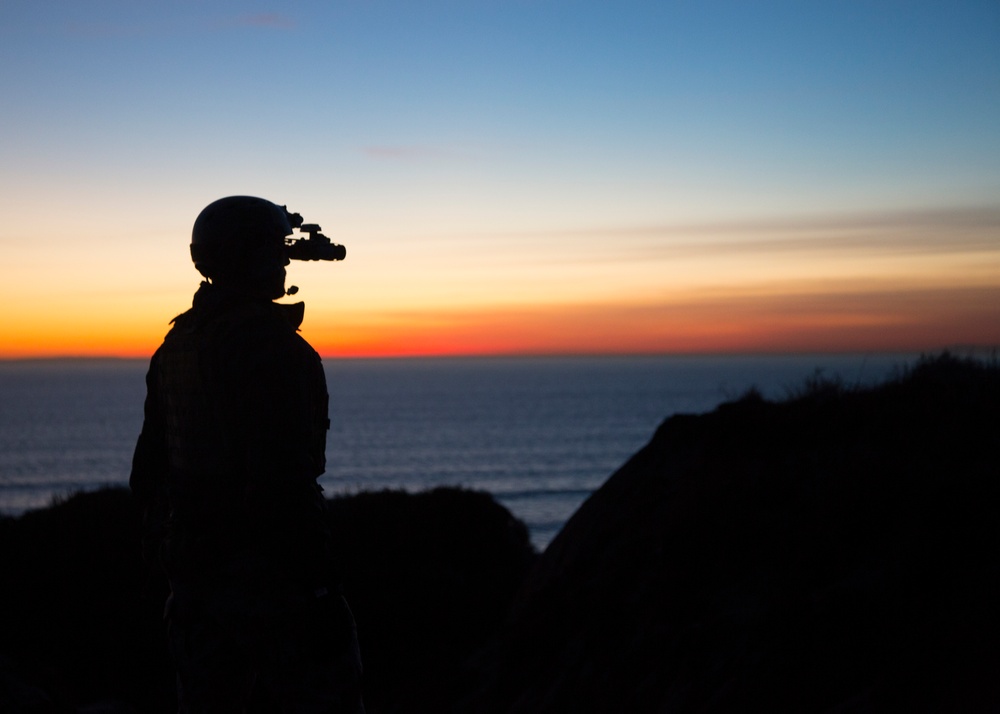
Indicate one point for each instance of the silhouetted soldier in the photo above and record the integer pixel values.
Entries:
(226, 465)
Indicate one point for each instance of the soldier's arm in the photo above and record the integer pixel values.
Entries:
(148, 478)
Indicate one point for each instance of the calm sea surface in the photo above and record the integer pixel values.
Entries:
(539, 433)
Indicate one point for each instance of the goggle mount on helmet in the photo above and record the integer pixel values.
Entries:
(315, 246)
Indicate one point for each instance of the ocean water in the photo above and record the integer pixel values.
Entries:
(540, 434)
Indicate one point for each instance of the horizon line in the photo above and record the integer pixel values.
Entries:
(965, 349)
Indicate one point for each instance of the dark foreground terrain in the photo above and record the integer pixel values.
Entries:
(835, 552)
(430, 579)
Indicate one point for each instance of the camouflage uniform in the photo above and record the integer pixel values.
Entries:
(225, 467)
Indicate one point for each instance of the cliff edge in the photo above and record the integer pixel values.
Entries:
(834, 552)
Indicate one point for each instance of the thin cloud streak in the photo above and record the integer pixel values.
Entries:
(267, 20)
(955, 232)
(917, 232)
(100, 30)
(896, 243)
(108, 30)
(953, 217)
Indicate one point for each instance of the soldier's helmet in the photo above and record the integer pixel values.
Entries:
(231, 234)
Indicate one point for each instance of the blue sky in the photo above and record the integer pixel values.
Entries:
(435, 135)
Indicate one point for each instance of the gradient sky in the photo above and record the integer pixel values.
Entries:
(513, 176)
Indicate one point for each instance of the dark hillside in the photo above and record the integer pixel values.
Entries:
(835, 552)
(430, 576)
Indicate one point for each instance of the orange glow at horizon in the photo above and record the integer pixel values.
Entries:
(790, 320)
(893, 321)
(909, 294)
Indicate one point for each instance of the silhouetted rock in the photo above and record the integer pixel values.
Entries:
(836, 552)
(429, 575)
